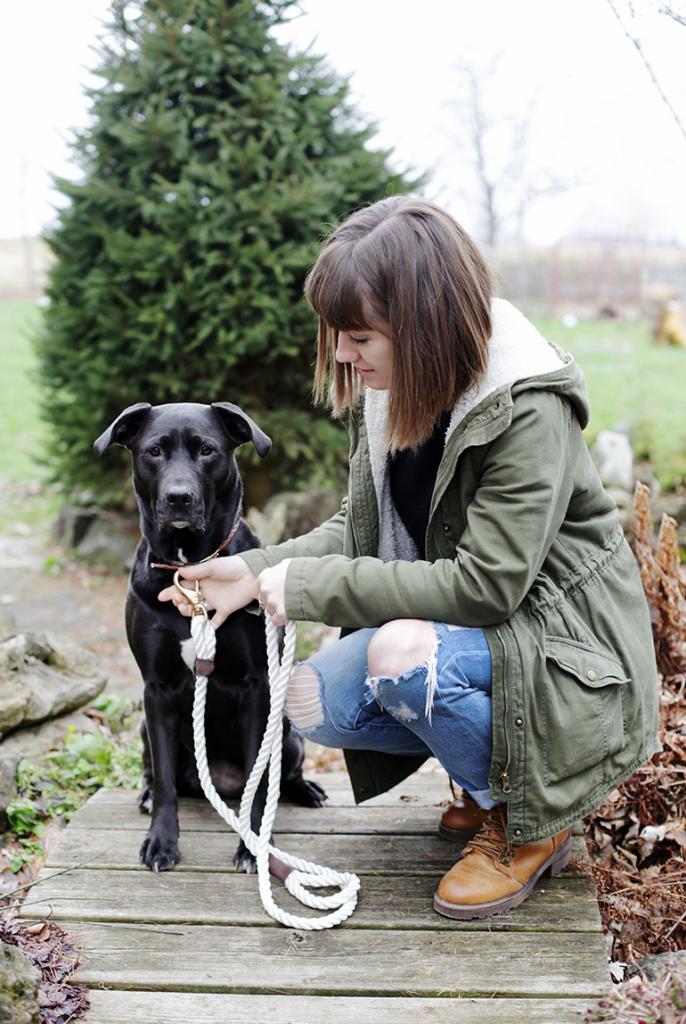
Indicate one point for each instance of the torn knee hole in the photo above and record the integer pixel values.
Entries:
(303, 703)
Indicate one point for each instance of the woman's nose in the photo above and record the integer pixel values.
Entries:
(346, 351)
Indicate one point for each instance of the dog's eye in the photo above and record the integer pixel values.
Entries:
(155, 451)
(207, 449)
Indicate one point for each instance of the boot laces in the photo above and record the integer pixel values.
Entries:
(491, 839)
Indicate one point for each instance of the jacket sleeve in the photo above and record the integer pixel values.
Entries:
(326, 539)
(524, 491)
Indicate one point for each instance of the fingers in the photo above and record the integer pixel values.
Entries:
(200, 571)
(181, 605)
(219, 618)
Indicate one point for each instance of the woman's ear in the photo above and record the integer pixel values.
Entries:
(240, 428)
(124, 429)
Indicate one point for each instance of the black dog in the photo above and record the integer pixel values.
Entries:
(190, 497)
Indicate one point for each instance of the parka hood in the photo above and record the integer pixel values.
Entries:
(519, 359)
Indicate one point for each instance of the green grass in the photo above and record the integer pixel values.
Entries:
(630, 382)
(634, 383)
(21, 430)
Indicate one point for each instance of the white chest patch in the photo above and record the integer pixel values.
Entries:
(188, 652)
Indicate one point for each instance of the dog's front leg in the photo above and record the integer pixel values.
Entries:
(160, 850)
(253, 713)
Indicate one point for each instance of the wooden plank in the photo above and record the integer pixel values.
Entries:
(213, 851)
(455, 963)
(567, 905)
(117, 809)
(108, 1007)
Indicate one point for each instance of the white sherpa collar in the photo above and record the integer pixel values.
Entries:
(516, 350)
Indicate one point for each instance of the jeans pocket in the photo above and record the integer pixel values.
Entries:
(583, 707)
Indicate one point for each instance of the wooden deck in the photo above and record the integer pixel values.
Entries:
(195, 944)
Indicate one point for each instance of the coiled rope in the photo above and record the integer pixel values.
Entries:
(295, 872)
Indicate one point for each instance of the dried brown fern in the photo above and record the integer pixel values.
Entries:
(664, 588)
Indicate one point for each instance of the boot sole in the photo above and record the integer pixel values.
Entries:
(556, 863)
(456, 834)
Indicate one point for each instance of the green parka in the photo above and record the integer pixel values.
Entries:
(523, 542)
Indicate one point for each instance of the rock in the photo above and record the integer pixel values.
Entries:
(654, 965)
(110, 543)
(673, 504)
(293, 513)
(98, 536)
(6, 622)
(32, 743)
(42, 676)
(73, 523)
(19, 982)
(614, 459)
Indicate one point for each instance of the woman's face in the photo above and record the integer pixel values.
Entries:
(371, 355)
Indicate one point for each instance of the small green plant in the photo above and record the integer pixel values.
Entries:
(61, 780)
(58, 783)
(117, 710)
(24, 817)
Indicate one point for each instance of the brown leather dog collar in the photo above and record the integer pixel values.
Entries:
(180, 565)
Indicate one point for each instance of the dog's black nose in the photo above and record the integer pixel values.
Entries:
(179, 501)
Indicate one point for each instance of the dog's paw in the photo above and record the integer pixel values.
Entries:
(243, 859)
(302, 791)
(145, 800)
(159, 852)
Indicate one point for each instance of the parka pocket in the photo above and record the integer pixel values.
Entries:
(582, 692)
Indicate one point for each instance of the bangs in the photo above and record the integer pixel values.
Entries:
(337, 290)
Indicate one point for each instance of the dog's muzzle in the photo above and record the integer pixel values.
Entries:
(179, 510)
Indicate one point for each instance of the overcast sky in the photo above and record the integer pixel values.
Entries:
(599, 122)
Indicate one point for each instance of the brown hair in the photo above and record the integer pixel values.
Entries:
(427, 286)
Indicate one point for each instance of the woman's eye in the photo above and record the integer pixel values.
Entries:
(207, 449)
(155, 451)
(358, 341)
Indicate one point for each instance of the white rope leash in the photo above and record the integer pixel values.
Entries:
(303, 872)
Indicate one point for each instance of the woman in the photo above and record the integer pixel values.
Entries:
(498, 619)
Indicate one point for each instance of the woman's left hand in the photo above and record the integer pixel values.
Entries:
(272, 591)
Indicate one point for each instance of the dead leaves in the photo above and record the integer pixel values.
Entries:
(638, 835)
(54, 954)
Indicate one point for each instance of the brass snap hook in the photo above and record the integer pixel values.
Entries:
(194, 597)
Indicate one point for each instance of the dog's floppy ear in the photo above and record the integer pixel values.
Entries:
(123, 430)
(241, 428)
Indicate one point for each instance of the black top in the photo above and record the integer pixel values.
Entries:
(412, 479)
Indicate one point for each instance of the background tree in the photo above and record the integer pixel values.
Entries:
(496, 155)
(216, 160)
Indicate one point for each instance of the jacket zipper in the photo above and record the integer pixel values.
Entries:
(505, 773)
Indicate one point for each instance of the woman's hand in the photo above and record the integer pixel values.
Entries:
(272, 591)
(227, 585)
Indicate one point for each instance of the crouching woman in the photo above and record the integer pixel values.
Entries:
(492, 612)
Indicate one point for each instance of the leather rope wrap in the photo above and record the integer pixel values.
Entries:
(296, 873)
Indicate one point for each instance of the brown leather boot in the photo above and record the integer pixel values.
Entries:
(462, 819)
(494, 876)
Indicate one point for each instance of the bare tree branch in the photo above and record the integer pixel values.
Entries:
(677, 16)
(505, 182)
(641, 52)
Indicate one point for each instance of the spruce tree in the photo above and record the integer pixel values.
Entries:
(216, 160)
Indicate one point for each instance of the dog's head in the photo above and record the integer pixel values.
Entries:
(183, 459)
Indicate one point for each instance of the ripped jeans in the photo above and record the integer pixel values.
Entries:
(441, 708)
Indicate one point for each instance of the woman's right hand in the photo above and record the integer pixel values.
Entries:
(227, 584)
